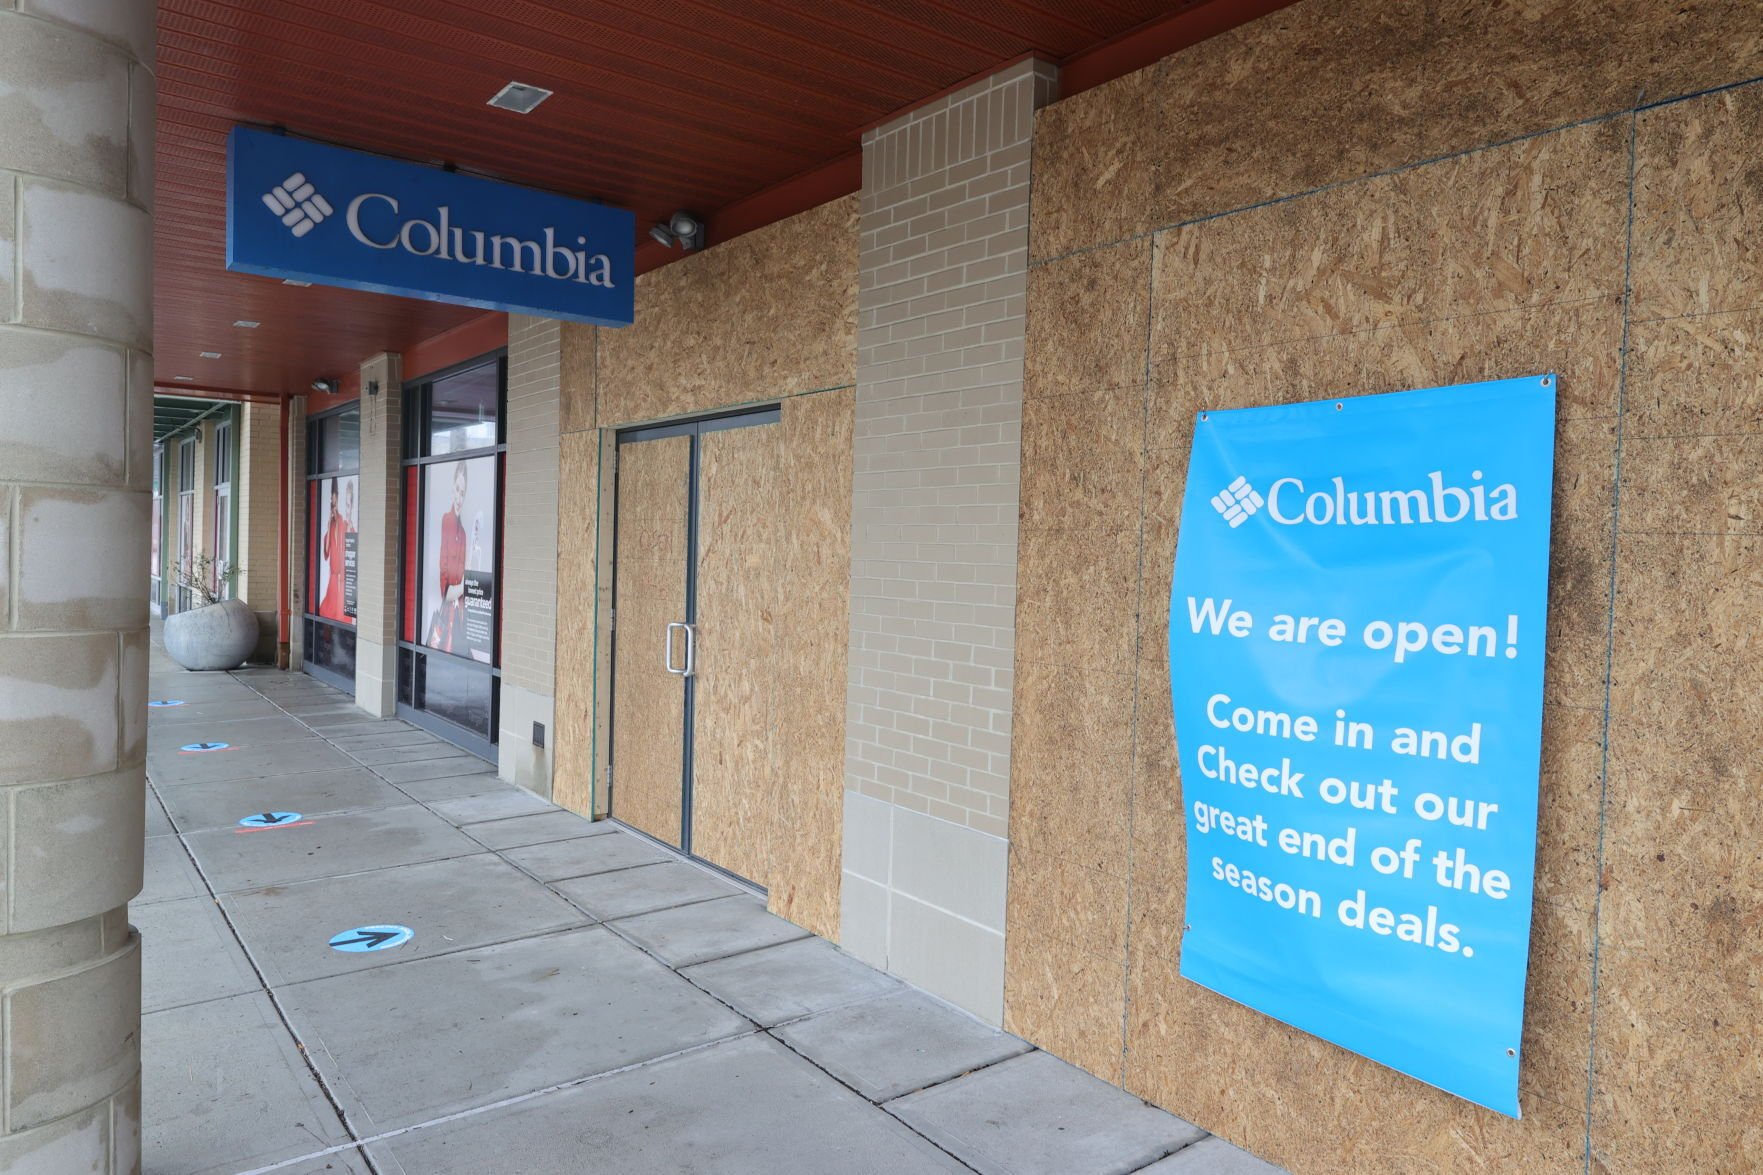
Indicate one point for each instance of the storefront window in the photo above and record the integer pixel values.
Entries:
(186, 521)
(221, 573)
(448, 675)
(333, 514)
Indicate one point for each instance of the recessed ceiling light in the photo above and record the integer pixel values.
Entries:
(288, 281)
(247, 324)
(210, 354)
(522, 99)
(185, 379)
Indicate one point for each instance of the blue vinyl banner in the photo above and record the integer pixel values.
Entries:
(1356, 657)
(327, 215)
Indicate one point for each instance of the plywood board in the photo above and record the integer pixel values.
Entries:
(576, 347)
(572, 782)
(739, 610)
(1698, 243)
(1096, 163)
(1678, 1082)
(809, 746)
(648, 722)
(772, 313)
(1280, 106)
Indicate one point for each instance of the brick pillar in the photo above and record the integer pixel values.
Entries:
(376, 537)
(297, 606)
(941, 303)
(529, 550)
(76, 410)
(257, 501)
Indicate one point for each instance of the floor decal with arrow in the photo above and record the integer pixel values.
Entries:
(371, 938)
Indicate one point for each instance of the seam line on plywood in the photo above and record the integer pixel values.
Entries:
(1590, 120)
(1138, 658)
(1591, 1069)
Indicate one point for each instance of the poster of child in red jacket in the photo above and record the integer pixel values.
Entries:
(459, 553)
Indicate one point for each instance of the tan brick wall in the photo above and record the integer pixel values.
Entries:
(257, 498)
(529, 541)
(296, 442)
(941, 297)
(944, 239)
(529, 549)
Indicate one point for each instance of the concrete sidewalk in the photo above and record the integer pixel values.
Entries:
(573, 998)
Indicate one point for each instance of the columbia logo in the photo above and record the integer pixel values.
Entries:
(1237, 501)
(297, 204)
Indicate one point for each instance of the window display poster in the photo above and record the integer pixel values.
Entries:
(459, 557)
(338, 510)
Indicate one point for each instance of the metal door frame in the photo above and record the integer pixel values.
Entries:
(750, 417)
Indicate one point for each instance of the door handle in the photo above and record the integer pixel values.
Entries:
(667, 649)
(691, 649)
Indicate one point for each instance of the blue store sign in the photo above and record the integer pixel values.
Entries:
(1356, 659)
(316, 213)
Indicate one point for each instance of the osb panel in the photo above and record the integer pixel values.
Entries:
(1711, 484)
(1086, 906)
(1282, 105)
(1095, 166)
(1067, 1002)
(1063, 715)
(576, 367)
(1680, 950)
(772, 313)
(1277, 106)
(1691, 376)
(1698, 244)
(572, 781)
(735, 667)
(1492, 72)
(809, 748)
(1070, 783)
(1087, 319)
(1077, 596)
(1538, 222)
(1082, 458)
(648, 716)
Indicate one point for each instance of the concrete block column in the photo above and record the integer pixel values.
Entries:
(941, 302)
(295, 440)
(529, 551)
(76, 399)
(376, 572)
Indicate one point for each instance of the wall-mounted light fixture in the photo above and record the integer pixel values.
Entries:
(682, 229)
(373, 388)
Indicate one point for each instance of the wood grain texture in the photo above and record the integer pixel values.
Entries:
(648, 720)
(1680, 1064)
(1328, 91)
(809, 746)
(740, 607)
(769, 314)
(576, 346)
(573, 773)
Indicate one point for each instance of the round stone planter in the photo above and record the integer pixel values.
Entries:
(218, 636)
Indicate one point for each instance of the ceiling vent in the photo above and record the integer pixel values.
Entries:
(521, 99)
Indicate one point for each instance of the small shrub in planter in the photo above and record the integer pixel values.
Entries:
(217, 633)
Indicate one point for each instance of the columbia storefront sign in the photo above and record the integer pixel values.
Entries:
(311, 212)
